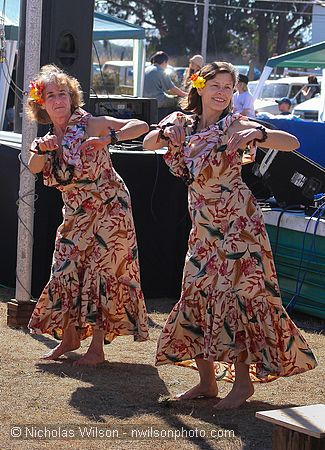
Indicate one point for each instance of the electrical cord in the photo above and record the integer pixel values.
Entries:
(290, 306)
(23, 199)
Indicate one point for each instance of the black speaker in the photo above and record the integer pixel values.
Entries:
(124, 107)
(67, 28)
(290, 177)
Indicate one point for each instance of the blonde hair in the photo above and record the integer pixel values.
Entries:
(53, 74)
(193, 102)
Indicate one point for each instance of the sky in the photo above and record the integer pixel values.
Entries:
(10, 8)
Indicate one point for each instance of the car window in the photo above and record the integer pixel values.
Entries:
(275, 91)
(294, 90)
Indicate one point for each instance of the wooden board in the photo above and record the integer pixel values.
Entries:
(304, 419)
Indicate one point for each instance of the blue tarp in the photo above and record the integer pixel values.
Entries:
(310, 134)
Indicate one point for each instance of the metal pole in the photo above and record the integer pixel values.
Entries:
(205, 30)
(27, 180)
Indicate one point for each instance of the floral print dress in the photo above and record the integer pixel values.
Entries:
(230, 308)
(95, 273)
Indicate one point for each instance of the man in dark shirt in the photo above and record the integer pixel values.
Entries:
(158, 84)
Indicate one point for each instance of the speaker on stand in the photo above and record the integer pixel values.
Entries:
(66, 41)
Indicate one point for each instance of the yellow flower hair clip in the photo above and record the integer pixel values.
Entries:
(197, 81)
(35, 92)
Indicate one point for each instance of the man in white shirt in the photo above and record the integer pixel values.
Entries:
(243, 100)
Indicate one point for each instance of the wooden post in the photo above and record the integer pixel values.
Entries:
(20, 309)
(285, 439)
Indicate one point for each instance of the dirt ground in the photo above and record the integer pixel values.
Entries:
(124, 404)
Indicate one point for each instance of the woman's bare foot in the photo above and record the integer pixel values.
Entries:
(199, 391)
(60, 349)
(236, 397)
(90, 358)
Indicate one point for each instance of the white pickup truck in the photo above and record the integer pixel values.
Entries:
(309, 109)
(275, 89)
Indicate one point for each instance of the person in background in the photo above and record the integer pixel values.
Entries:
(284, 105)
(243, 101)
(158, 84)
(312, 89)
(195, 64)
(248, 58)
(94, 288)
(230, 317)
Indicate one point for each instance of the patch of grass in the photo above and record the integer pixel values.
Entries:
(128, 390)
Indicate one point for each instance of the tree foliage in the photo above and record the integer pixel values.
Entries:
(263, 27)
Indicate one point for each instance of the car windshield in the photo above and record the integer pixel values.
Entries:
(274, 91)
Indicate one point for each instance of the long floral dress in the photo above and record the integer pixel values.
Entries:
(95, 273)
(230, 307)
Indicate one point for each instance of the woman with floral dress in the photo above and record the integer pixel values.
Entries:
(229, 319)
(94, 287)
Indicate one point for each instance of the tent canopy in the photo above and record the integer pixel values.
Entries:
(109, 27)
(312, 56)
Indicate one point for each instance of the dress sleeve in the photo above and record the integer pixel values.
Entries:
(174, 157)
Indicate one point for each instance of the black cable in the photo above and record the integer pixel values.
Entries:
(291, 208)
(290, 306)
(24, 200)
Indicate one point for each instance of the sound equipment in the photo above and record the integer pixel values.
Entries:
(67, 28)
(124, 107)
(293, 179)
(66, 40)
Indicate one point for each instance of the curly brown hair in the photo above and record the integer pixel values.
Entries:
(193, 102)
(53, 74)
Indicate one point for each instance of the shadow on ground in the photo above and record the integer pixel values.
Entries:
(130, 391)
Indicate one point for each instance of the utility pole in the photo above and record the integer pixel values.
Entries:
(205, 28)
(19, 310)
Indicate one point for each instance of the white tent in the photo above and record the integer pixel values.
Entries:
(312, 57)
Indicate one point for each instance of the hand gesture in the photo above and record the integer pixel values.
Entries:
(48, 143)
(241, 139)
(249, 156)
(176, 135)
(95, 143)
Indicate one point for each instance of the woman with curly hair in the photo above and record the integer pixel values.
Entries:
(94, 288)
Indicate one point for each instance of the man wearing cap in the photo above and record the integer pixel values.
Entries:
(242, 99)
(195, 64)
(284, 105)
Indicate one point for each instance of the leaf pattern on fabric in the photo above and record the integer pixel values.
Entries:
(230, 307)
(95, 276)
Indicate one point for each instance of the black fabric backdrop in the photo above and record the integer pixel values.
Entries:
(159, 208)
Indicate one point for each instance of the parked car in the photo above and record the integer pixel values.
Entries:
(122, 73)
(275, 89)
(309, 110)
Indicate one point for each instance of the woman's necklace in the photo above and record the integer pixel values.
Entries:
(57, 168)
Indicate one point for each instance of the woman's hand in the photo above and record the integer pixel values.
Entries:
(176, 135)
(48, 143)
(240, 139)
(249, 157)
(95, 143)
